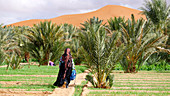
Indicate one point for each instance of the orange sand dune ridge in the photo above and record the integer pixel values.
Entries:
(103, 13)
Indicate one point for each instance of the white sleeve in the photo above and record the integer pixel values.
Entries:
(73, 67)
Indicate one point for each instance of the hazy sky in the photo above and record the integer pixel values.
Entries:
(12, 11)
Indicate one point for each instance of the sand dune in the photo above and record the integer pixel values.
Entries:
(103, 13)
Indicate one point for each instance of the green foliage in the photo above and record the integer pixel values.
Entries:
(158, 12)
(13, 61)
(95, 22)
(2, 57)
(153, 59)
(69, 32)
(114, 24)
(77, 54)
(70, 37)
(9, 51)
(144, 43)
(44, 42)
(160, 66)
(100, 51)
(22, 41)
(118, 67)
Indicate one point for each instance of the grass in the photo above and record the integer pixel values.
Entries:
(79, 88)
(35, 70)
(126, 93)
(36, 87)
(31, 82)
(133, 88)
(158, 82)
(26, 78)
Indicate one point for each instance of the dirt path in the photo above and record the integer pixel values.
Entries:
(70, 91)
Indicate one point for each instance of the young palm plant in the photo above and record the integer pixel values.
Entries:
(13, 60)
(100, 53)
(144, 43)
(44, 42)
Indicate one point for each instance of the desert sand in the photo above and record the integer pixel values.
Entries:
(103, 13)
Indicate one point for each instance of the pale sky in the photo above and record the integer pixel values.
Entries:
(12, 11)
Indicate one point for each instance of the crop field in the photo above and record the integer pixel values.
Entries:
(143, 83)
(30, 81)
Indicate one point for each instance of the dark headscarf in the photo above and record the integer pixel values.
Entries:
(67, 58)
(65, 52)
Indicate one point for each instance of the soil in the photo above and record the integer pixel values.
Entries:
(21, 92)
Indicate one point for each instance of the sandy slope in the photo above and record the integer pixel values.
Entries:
(104, 13)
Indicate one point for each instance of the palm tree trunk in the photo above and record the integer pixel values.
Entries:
(46, 59)
(27, 56)
(134, 68)
(129, 68)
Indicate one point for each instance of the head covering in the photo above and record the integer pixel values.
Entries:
(67, 58)
(65, 52)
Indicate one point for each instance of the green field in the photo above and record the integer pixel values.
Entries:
(143, 83)
(33, 78)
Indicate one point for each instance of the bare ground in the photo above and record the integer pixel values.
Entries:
(14, 92)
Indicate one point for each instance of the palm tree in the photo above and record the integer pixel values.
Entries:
(77, 54)
(3, 39)
(158, 12)
(70, 37)
(44, 42)
(22, 41)
(144, 42)
(9, 50)
(95, 22)
(114, 24)
(69, 31)
(100, 52)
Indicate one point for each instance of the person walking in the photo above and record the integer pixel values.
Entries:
(65, 69)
